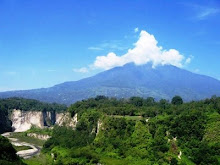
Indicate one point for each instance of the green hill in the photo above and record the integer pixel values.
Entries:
(138, 131)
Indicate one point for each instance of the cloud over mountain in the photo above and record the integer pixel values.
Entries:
(145, 50)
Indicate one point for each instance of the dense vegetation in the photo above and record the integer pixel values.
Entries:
(5, 123)
(6, 105)
(30, 105)
(8, 153)
(139, 131)
(126, 131)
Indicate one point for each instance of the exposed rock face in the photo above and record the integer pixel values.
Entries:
(23, 120)
(66, 119)
(39, 136)
(49, 118)
(99, 126)
(179, 156)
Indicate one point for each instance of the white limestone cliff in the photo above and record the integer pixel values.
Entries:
(23, 120)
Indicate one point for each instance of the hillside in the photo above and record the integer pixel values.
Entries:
(130, 131)
(126, 81)
(138, 131)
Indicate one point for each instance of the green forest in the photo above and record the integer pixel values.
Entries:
(131, 131)
(139, 131)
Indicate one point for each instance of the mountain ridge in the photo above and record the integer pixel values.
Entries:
(126, 81)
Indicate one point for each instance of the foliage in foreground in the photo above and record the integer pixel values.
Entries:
(8, 153)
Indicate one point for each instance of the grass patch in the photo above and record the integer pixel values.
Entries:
(42, 159)
(44, 131)
(20, 148)
(63, 152)
(22, 136)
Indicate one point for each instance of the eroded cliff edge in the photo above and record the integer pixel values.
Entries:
(24, 120)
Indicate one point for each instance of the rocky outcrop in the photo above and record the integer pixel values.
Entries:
(65, 119)
(99, 126)
(23, 120)
(39, 136)
(180, 154)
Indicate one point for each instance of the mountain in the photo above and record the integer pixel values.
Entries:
(126, 81)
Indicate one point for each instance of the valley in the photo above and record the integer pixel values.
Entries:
(129, 82)
(111, 131)
(31, 149)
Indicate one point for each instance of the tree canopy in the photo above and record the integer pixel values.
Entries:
(177, 100)
(139, 131)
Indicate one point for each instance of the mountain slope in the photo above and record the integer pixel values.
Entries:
(126, 81)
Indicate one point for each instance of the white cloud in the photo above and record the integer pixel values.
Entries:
(113, 45)
(206, 12)
(188, 60)
(108, 45)
(203, 12)
(145, 50)
(136, 30)
(81, 70)
(109, 61)
(94, 48)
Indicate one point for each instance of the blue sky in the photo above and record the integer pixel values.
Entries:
(43, 43)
